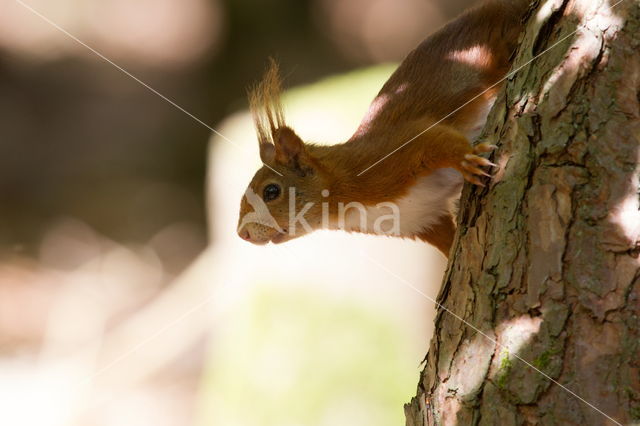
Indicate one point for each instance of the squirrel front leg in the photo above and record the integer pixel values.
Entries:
(444, 147)
(440, 235)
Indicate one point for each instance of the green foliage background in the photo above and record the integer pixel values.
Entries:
(301, 358)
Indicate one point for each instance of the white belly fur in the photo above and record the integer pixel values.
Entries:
(428, 199)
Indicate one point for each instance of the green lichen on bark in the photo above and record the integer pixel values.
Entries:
(505, 369)
(543, 361)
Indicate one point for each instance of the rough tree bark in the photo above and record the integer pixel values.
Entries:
(546, 262)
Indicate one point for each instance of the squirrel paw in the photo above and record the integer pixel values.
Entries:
(471, 166)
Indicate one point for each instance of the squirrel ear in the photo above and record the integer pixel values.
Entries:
(267, 152)
(289, 148)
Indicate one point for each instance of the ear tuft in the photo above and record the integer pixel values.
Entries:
(266, 108)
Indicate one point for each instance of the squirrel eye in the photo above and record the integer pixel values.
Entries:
(271, 192)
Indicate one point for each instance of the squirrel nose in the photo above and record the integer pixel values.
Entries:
(244, 234)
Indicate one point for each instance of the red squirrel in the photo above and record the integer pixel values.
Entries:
(415, 182)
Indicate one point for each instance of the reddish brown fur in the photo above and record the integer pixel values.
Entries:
(454, 65)
(441, 234)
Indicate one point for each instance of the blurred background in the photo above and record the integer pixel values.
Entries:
(125, 296)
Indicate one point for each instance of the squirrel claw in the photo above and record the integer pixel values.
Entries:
(479, 161)
(472, 163)
(474, 180)
(484, 147)
(475, 170)
(471, 168)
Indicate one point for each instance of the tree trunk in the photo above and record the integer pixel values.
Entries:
(545, 270)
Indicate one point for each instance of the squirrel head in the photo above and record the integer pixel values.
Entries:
(290, 183)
